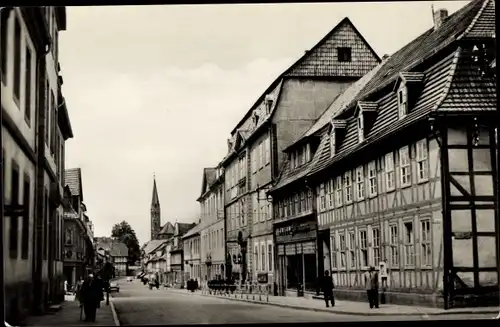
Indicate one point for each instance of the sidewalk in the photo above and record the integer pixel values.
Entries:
(69, 315)
(345, 307)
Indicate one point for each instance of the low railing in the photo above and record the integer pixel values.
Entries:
(250, 291)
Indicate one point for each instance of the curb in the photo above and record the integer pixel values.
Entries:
(493, 310)
(113, 311)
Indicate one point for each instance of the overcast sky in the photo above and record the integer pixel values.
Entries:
(158, 89)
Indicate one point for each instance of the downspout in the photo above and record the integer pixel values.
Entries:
(4, 12)
(37, 258)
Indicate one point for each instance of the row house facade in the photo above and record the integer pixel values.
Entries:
(286, 110)
(299, 246)
(424, 210)
(192, 253)
(177, 276)
(78, 252)
(35, 125)
(212, 224)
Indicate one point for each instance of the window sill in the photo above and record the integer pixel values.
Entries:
(390, 190)
(371, 196)
(424, 180)
(405, 185)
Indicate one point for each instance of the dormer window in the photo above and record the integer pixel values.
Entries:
(402, 101)
(269, 103)
(332, 143)
(361, 127)
(255, 118)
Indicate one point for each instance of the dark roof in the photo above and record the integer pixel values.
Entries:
(303, 68)
(152, 245)
(209, 177)
(423, 47)
(184, 227)
(193, 231)
(73, 178)
(115, 248)
(167, 229)
(453, 83)
(155, 201)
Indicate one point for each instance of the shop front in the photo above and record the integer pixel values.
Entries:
(297, 256)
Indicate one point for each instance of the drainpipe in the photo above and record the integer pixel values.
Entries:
(4, 12)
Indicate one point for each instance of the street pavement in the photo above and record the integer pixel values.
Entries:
(136, 304)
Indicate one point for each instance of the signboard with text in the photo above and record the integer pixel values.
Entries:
(296, 231)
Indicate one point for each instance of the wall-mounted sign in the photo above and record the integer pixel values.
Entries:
(296, 232)
(262, 278)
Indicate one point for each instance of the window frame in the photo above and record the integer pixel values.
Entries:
(404, 166)
(15, 188)
(394, 245)
(333, 143)
(425, 243)
(270, 256)
(352, 249)
(267, 150)
(363, 248)
(339, 192)
(422, 160)
(360, 121)
(360, 183)
(389, 172)
(372, 179)
(344, 54)
(409, 244)
(402, 100)
(348, 187)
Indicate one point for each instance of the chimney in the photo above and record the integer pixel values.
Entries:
(440, 16)
(385, 56)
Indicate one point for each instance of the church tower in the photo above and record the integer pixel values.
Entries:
(155, 213)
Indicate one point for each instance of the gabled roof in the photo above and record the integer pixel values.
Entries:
(422, 48)
(167, 229)
(153, 245)
(209, 175)
(73, 178)
(307, 64)
(183, 228)
(194, 231)
(452, 82)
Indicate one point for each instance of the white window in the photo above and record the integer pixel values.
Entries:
(402, 102)
(360, 183)
(322, 196)
(333, 252)
(376, 245)
(338, 193)
(267, 144)
(372, 179)
(361, 128)
(348, 187)
(342, 248)
(254, 160)
(270, 256)
(330, 194)
(394, 244)
(352, 249)
(389, 171)
(332, 143)
(422, 160)
(409, 245)
(363, 245)
(261, 155)
(256, 255)
(308, 153)
(425, 237)
(263, 257)
(404, 166)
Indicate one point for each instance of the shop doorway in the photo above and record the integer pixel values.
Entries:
(294, 272)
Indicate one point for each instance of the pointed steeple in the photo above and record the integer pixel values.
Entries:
(155, 201)
(155, 212)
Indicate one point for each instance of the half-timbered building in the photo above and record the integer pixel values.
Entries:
(290, 105)
(409, 171)
(298, 207)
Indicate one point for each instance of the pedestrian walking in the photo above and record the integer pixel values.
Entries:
(371, 284)
(91, 294)
(327, 288)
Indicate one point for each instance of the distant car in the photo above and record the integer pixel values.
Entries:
(114, 286)
(130, 278)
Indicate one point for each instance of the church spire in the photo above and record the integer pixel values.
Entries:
(155, 212)
(155, 201)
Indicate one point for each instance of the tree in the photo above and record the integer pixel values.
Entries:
(126, 234)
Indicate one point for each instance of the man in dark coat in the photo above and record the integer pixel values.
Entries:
(327, 288)
(371, 284)
(91, 294)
